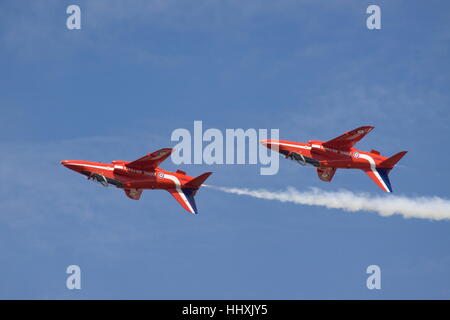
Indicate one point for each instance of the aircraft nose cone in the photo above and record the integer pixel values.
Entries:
(266, 143)
(67, 164)
(70, 164)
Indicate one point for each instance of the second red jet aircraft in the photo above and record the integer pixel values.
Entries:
(339, 153)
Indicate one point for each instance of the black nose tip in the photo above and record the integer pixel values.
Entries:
(266, 143)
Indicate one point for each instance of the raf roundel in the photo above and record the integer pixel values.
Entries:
(356, 155)
(160, 175)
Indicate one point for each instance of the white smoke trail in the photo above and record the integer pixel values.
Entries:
(433, 208)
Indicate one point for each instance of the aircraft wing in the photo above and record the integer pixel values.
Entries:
(151, 160)
(348, 139)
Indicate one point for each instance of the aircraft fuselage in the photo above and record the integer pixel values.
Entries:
(328, 157)
(128, 178)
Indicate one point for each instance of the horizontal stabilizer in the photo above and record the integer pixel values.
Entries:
(197, 182)
(392, 161)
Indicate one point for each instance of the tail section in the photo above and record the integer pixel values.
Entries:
(185, 197)
(380, 177)
(197, 182)
(185, 194)
(380, 174)
(392, 161)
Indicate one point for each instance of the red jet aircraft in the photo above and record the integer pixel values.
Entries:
(133, 177)
(339, 153)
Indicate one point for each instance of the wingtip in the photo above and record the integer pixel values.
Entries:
(193, 211)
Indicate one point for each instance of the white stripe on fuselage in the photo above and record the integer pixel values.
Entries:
(88, 165)
(290, 145)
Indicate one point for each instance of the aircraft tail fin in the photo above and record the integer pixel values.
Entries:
(380, 174)
(185, 194)
(185, 197)
(392, 161)
(380, 177)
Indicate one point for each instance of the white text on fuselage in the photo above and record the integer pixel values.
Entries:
(147, 173)
(320, 147)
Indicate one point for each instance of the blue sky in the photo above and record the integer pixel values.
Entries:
(117, 88)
